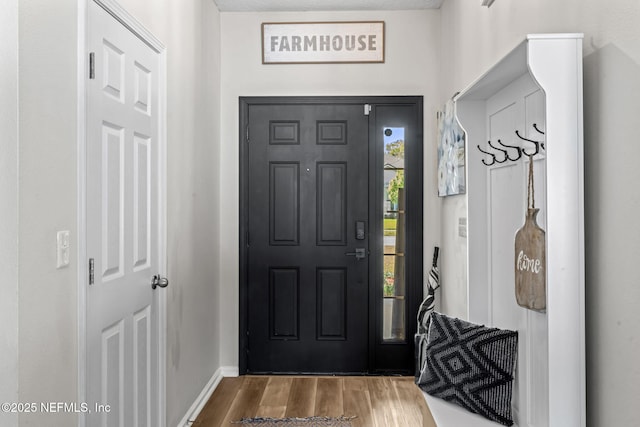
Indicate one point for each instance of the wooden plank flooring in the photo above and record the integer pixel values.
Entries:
(375, 401)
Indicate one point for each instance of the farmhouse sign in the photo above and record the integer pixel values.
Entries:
(322, 42)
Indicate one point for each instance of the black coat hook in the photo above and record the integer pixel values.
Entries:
(537, 143)
(506, 155)
(513, 147)
(490, 154)
(539, 131)
(535, 126)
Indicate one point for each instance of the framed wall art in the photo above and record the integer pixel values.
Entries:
(451, 153)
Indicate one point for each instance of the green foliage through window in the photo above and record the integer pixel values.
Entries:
(396, 148)
(395, 183)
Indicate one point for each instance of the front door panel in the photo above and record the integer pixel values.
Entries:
(307, 280)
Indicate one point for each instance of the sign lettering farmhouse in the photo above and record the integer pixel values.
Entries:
(322, 42)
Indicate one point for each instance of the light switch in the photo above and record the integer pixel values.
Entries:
(462, 227)
(63, 249)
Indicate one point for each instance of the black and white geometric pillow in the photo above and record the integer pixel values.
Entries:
(471, 365)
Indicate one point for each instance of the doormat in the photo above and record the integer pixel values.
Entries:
(297, 422)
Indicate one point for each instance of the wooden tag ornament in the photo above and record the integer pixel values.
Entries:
(530, 256)
(530, 262)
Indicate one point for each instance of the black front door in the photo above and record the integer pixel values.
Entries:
(330, 234)
(307, 237)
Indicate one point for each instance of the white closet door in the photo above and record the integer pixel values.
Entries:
(122, 225)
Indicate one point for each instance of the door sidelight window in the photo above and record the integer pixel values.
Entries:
(393, 236)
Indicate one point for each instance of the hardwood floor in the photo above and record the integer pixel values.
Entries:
(375, 401)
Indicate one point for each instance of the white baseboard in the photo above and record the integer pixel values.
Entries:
(205, 394)
(202, 399)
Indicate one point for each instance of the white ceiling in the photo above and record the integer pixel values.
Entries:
(323, 5)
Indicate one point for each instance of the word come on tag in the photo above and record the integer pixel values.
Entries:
(530, 262)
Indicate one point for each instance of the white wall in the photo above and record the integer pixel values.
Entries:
(47, 312)
(9, 206)
(47, 202)
(473, 39)
(411, 68)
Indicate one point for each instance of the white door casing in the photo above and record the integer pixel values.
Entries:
(125, 176)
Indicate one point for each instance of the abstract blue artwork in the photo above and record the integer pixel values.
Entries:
(451, 153)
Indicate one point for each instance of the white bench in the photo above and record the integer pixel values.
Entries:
(447, 414)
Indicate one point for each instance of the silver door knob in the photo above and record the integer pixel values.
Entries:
(156, 281)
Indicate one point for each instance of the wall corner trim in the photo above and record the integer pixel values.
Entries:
(230, 371)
